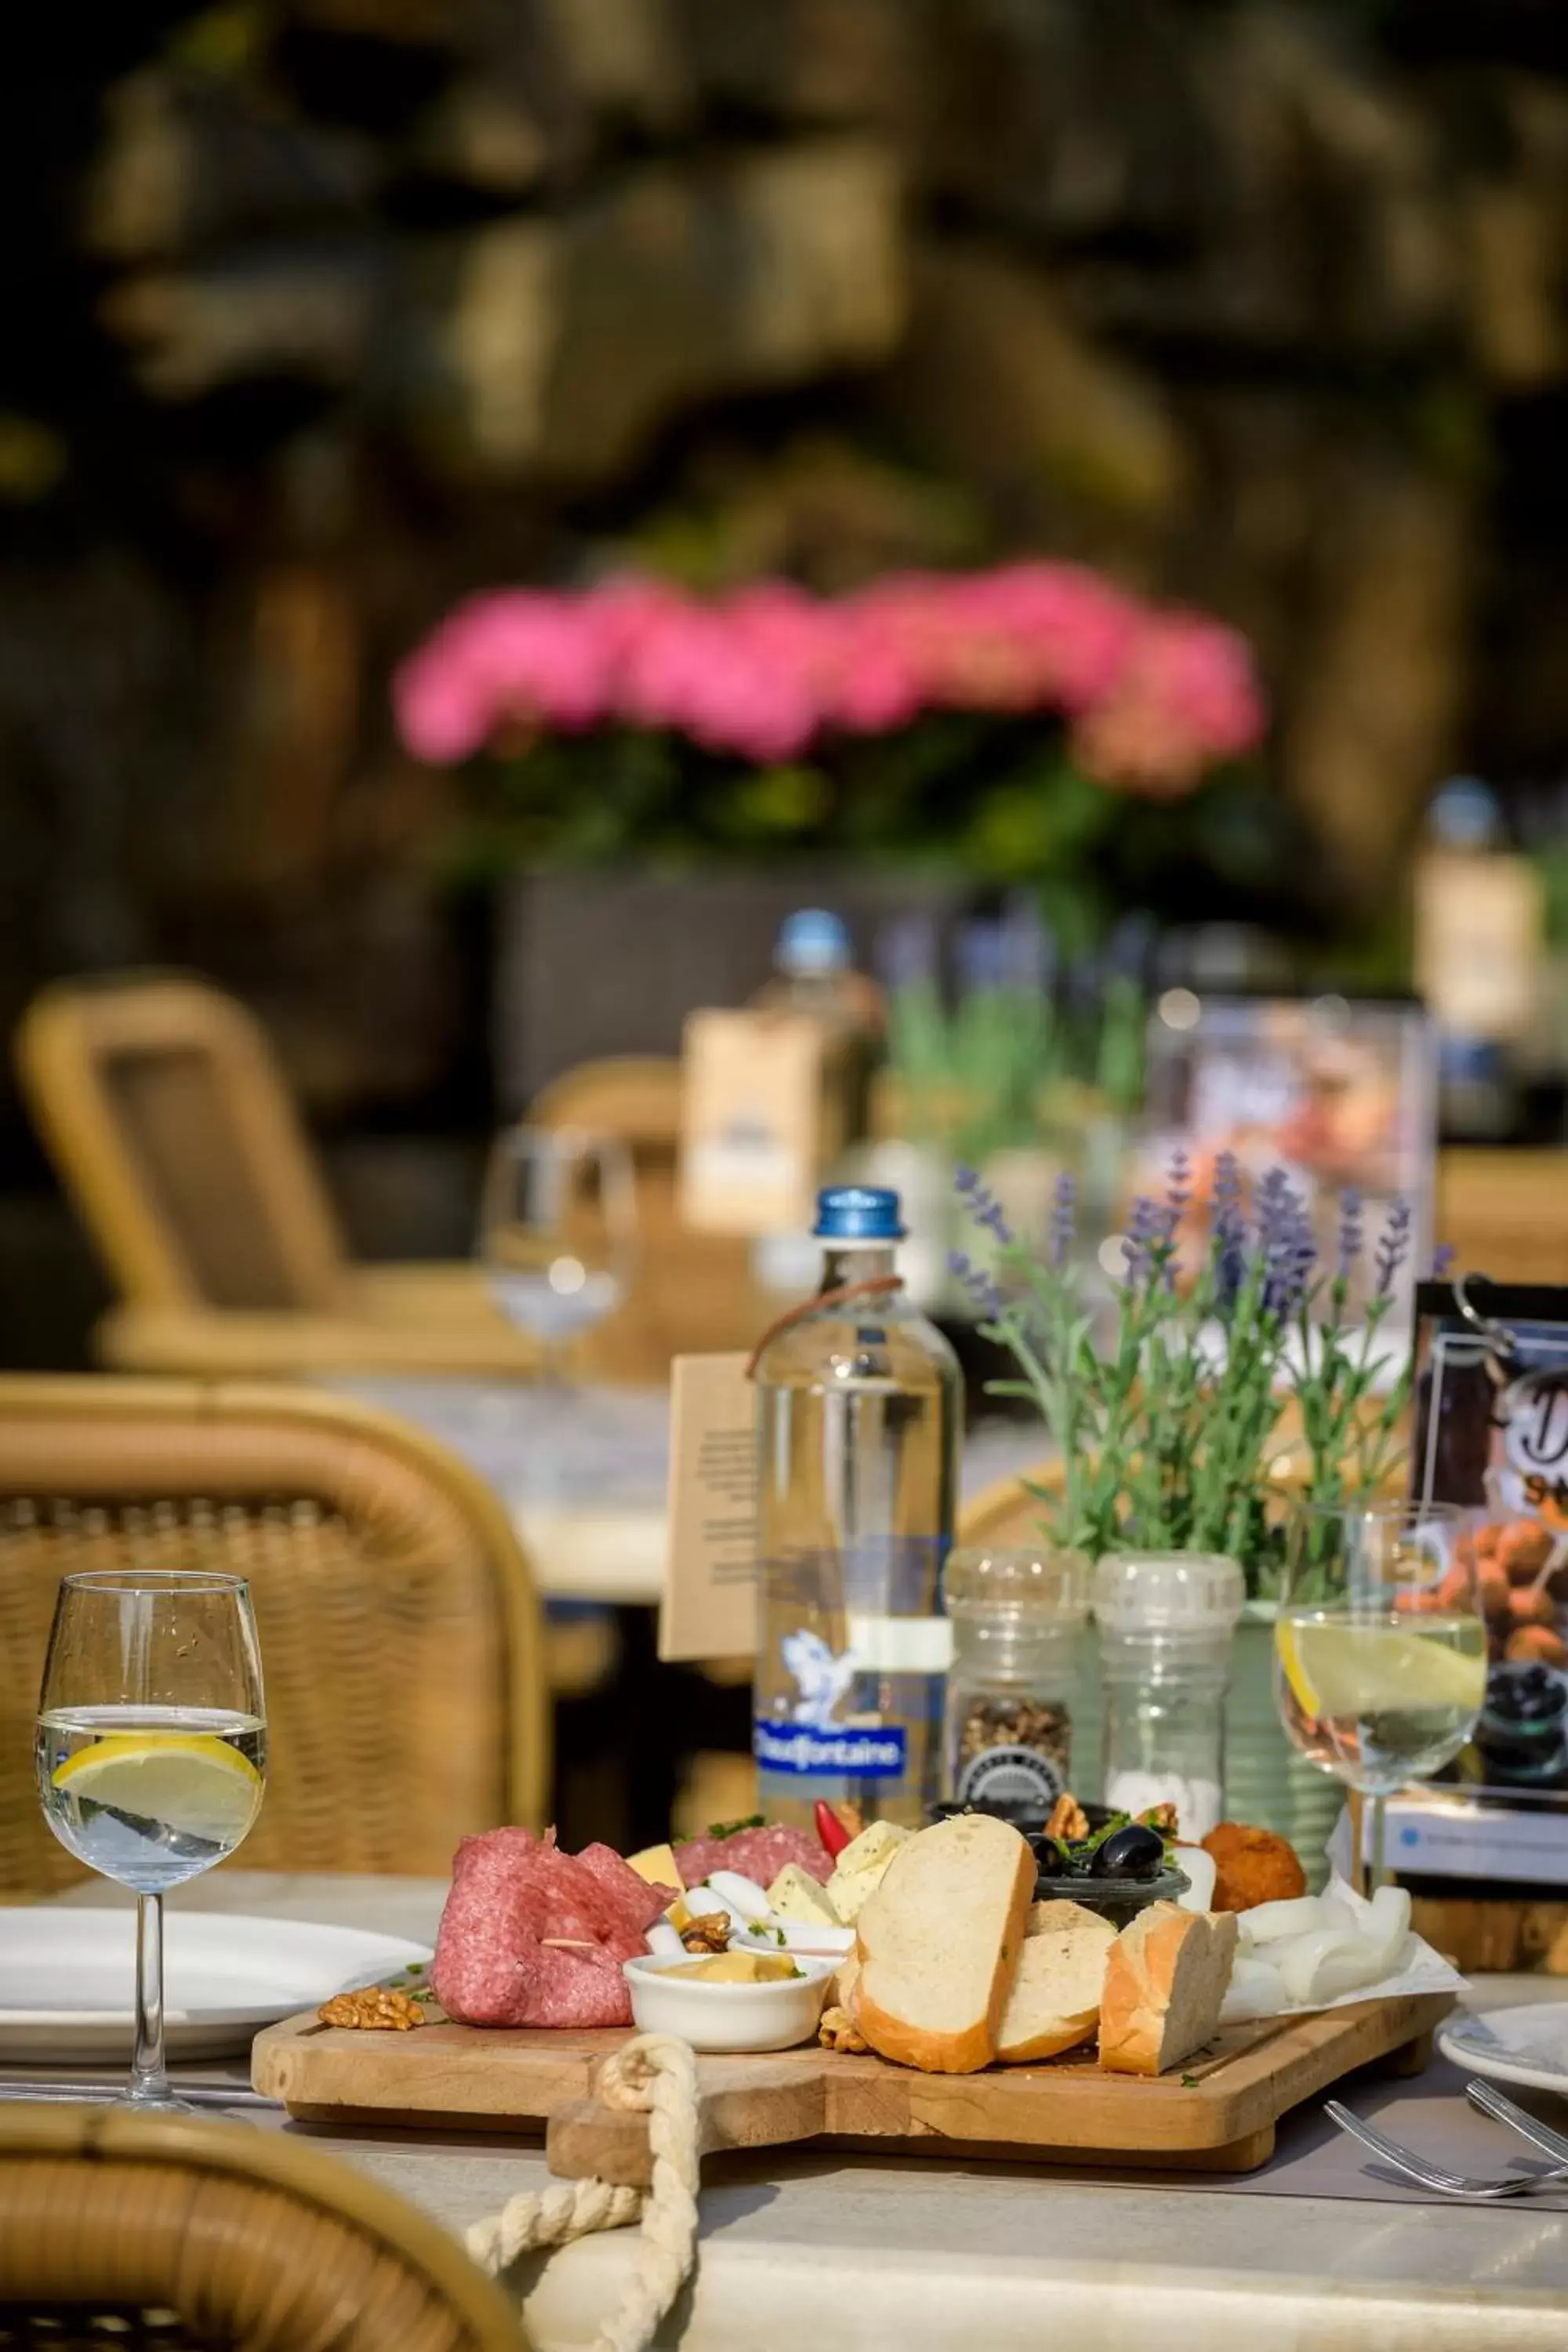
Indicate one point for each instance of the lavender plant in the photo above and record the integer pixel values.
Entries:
(1168, 1433)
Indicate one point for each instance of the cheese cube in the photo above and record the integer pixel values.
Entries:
(861, 1868)
(873, 1849)
(657, 1864)
(796, 1894)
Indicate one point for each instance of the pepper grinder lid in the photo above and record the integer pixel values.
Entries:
(1170, 1592)
(1041, 1582)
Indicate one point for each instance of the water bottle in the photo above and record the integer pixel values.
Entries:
(859, 1410)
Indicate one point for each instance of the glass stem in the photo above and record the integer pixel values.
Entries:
(1373, 1868)
(149, 2079)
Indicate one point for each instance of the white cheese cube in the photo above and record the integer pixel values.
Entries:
(873, 1849)
(796, 1894)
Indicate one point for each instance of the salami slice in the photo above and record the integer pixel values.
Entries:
(759, 1854)
(530, 1936)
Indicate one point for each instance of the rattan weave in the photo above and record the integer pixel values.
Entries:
(156, 2234)
(399, 1631)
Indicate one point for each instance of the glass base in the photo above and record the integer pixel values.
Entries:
(154, 2103)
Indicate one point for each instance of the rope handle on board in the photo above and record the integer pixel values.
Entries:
(810, 1306)
(654, 2075)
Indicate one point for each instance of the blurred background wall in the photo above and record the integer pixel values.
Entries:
(325, 312)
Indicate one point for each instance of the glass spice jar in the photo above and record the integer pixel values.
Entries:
(1166, 1623)
(1016, 1617)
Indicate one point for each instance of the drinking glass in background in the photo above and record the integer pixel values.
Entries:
(557, 1234)
(1380, 1663)
(151, 1751)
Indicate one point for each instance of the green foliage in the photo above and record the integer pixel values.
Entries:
(1167, 1431)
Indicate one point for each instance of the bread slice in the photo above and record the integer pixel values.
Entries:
(939, 1943)
(1054, 2004)
(1165, 1977)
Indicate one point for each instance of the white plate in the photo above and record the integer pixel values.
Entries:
(68, 1979)
(1529, 2046)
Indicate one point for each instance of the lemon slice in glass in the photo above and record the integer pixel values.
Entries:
(191, 1782)
(1340, 1668)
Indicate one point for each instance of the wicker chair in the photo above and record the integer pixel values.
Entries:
(693, 1292)
(400, 1635)
(164, 1108)
(154, 2233)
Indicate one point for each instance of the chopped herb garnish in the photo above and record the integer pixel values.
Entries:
(1189, 2081)
(732, 1828)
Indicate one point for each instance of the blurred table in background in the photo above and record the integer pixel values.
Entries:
(1505, 1213)
(582, 1471)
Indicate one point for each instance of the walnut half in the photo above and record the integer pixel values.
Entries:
(709, 1932)
(376, 2007)
(837, 2029)
(1068, 1821)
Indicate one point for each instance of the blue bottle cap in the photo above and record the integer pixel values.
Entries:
(858, 1212)
(812, 940)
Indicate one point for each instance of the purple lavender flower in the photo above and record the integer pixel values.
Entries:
(983, 1206)
(981, 955)
(1178, 1195)
(906, 950)
(1138, 1240)
(1227, 1227)
(1064, 1219)
(1394, 1247)
(982, 1292)
(1443, 1258)
(1285, 1238)
(1028, 948)
(1352, 1233)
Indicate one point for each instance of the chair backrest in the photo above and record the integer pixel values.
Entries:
(161, 2234)
(164, 1108)
(693, 1293)
(399, 1629)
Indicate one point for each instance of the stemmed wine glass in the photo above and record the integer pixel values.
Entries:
(151, 1751)
(1380, 1650)
(557, 1234)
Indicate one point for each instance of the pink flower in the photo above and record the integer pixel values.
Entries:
(1151, 698)
(1186, 698)
(742, 677)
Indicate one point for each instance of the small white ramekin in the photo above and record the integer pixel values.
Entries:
(665, 1999)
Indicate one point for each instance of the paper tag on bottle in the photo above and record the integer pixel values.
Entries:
(901, 1645)
(1479, 942)
(709, 1609)
(755, 1128)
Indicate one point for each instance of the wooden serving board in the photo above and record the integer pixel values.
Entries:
(1217, 2112)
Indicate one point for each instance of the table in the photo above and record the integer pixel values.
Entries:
(800, 2251)
(582, 1471)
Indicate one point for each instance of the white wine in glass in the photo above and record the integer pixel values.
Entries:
(151, 1751)
(1380, 1649)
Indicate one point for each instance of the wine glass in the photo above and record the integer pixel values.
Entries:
(557, 1234)
(151, 1751)
(1380, 1656)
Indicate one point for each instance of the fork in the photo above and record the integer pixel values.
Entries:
(1432, 2176)
(1491, 2102)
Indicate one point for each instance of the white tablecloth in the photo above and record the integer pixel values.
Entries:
(583, 1470)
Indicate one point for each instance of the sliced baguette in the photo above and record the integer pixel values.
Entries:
(939, 1942)
(1054, 2004)
(1165, 1977)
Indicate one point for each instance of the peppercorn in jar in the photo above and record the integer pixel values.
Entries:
(1016, 1620)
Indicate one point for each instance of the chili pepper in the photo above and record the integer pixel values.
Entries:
(830, 1830)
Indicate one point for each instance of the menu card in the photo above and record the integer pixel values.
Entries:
(709, 1609)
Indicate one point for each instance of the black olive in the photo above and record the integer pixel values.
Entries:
(1051, 1860)
(1134, 1852)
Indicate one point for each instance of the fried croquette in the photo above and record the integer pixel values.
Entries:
(1252, 1866)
